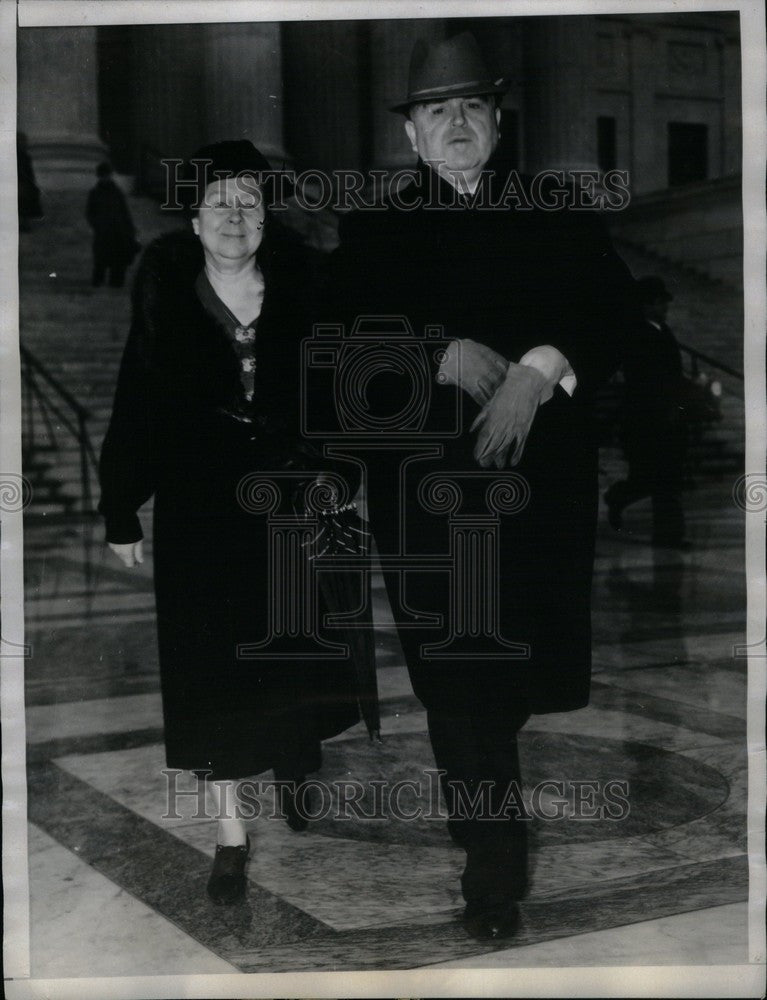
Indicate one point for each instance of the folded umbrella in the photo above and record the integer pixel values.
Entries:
(341, 532)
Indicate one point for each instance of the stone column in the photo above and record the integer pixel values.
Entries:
(166, 85)
(243, 90)
(647, 136)
(324, 78)
(560, 123)
(167, 70)
(391, 43)
(58, 106)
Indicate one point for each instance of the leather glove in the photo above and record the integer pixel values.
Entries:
(476, 369)
(509, 415)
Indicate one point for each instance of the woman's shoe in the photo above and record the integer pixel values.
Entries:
(226, 884)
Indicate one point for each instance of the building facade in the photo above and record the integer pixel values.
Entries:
(656, 95)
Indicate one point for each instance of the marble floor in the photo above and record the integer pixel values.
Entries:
(117, 890)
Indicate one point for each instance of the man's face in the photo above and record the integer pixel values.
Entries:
(457, 134)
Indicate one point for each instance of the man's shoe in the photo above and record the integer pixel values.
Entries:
(226, 884)
(488, 920)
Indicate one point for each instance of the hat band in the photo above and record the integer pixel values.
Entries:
(482, 86)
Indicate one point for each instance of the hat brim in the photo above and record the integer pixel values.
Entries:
(475, 88)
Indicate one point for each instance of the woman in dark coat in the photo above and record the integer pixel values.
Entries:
(208, 394)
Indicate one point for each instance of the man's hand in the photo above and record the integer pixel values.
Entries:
(476, 369)
(508, 416)
(131, 553)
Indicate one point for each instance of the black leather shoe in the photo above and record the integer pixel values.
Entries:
(226, 884)
(488, 920)
(295, 819)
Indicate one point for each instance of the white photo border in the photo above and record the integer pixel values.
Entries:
(745, 980)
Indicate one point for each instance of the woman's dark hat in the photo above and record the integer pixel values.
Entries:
(232, 158)
(450, 68)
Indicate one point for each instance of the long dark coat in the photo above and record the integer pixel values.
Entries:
(513, 280)
(114, 235)
(653, 422)
(172, 436)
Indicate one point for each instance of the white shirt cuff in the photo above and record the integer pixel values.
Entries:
(553, 365)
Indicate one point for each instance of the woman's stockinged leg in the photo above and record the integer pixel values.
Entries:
(222, 804)
(227, 883)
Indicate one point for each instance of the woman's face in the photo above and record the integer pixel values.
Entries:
(231, 218)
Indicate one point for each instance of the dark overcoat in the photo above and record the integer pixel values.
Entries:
(512, 280)
(173, 435)
(114, 235)
(653, 428)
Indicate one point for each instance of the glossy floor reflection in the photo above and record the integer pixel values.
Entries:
(663, 884)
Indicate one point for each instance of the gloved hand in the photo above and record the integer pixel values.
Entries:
(509, 415)
(476, 369)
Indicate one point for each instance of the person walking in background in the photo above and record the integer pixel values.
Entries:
(654, 429)
(30, 207)
(114, 235)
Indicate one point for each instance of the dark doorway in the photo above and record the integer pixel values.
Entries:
(687, 153)
(607, 149)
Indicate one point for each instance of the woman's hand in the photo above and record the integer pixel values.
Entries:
(130, 553)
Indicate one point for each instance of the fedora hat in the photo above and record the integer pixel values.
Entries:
(450, 68)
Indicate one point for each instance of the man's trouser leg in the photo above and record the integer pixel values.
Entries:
(480, 757)
(668, 516)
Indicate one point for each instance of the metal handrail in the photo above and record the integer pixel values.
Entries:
(697, 356)
(33, 373)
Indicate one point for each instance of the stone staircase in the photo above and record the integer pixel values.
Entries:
(78, 333)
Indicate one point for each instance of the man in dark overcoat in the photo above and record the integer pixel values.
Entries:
(114, 235)
(534, 306)
(654, 428)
